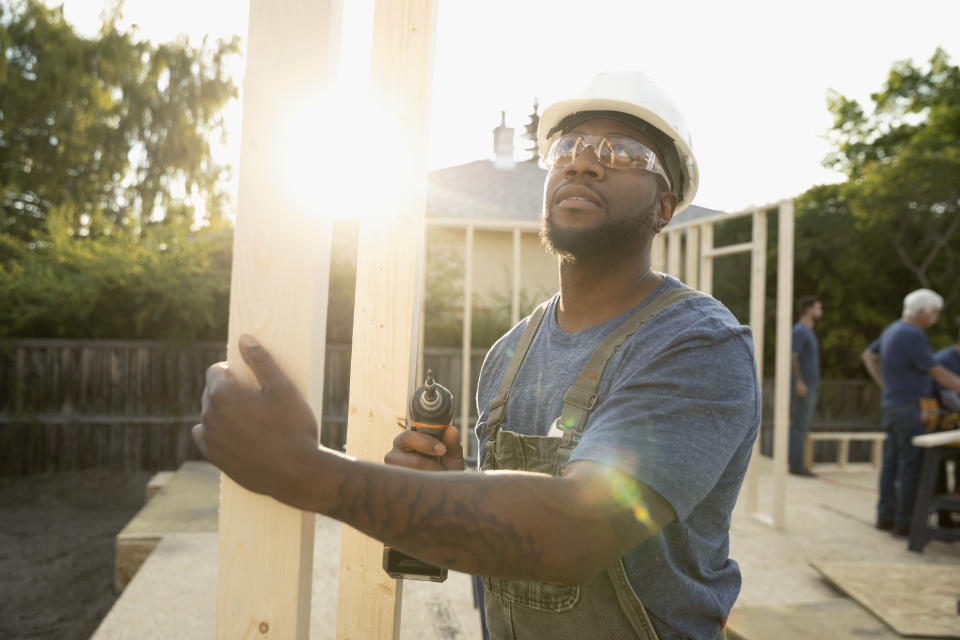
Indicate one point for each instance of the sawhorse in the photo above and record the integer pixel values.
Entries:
(939, 449)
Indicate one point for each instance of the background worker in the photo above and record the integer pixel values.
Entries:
(805, 380)
(610, 474)
(949, 359)
(901, 362)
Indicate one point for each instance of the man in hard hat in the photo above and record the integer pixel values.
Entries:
(616, 422)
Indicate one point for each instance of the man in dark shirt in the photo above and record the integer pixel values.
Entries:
(901, 362)
(804, 380)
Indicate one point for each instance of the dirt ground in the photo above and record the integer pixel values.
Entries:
(56, 550)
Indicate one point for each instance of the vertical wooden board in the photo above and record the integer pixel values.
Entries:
(658, 259)
(758, 292)
(781, 410)
(706, 262)
(387, 298)
(692, 267)
(516, 274)
(673, 253)
(281, 248)
(463, 398)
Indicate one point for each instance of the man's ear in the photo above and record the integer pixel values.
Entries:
(666, 205)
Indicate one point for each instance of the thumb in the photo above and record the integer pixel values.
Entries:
(451, 439)
(271, 378)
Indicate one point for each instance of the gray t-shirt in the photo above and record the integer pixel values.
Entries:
(678, 410)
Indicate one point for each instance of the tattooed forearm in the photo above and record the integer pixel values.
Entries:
(507, 524)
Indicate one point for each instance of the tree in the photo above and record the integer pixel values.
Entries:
(168, 283)
(894, 225)
(903, 164)
(112, 132)
(530, 133)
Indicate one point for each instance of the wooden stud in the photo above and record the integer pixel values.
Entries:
(467, 342)
(730, 250)
(515, 287)
(388, 296)
(278, 293)
(758, 292)
(781, 419)
(692, 266)
(673, 253)
(706, 262)
(876, 453)
(658, 261)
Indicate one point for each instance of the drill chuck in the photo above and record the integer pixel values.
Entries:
(431, 407)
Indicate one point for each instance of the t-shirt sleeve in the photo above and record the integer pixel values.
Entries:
(875, 346)
(675, 419)
(919, 352)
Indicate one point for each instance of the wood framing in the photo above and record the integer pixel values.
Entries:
(515, 279)
(278, 294)
(758, 293)
(781, 412)
(388, 294)
(673, 253)
(700, 253)
(466, 343)
(706, 260)
(692, 262)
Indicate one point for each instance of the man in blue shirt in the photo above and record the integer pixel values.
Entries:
(901, 362)
(616, 422)
(949, 358)
(804, 381)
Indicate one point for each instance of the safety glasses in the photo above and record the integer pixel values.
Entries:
(613, 151)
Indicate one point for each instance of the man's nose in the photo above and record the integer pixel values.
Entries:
(585, 164)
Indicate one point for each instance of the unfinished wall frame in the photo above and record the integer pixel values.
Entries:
(697, 252)
(516, 229)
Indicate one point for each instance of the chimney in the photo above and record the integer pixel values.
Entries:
(503, 145)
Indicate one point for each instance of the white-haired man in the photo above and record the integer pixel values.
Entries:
(902, 363)
(616, 422)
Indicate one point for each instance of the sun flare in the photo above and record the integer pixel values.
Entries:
(340, 156)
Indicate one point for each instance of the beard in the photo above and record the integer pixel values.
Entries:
(570, 245)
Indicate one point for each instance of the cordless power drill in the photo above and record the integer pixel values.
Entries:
(431, 411)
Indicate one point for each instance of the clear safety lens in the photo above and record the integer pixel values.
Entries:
(614, 151)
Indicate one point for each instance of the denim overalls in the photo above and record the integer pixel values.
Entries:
(605, 606)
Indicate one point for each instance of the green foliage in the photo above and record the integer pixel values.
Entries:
(894, 225)
(903, 163)
(111, 131)
(530, 133)
(167, 283)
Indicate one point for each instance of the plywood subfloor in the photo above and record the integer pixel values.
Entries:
(914, 599)
(840, 619)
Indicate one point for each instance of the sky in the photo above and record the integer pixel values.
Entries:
(751, 76)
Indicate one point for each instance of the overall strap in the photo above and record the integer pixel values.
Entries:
(582, 396)
(499, 402)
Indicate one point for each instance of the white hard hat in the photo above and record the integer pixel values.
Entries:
(634, 94)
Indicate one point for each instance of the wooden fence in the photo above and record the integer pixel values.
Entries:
(75, 404)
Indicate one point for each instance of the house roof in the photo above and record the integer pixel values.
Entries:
(479, 191)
